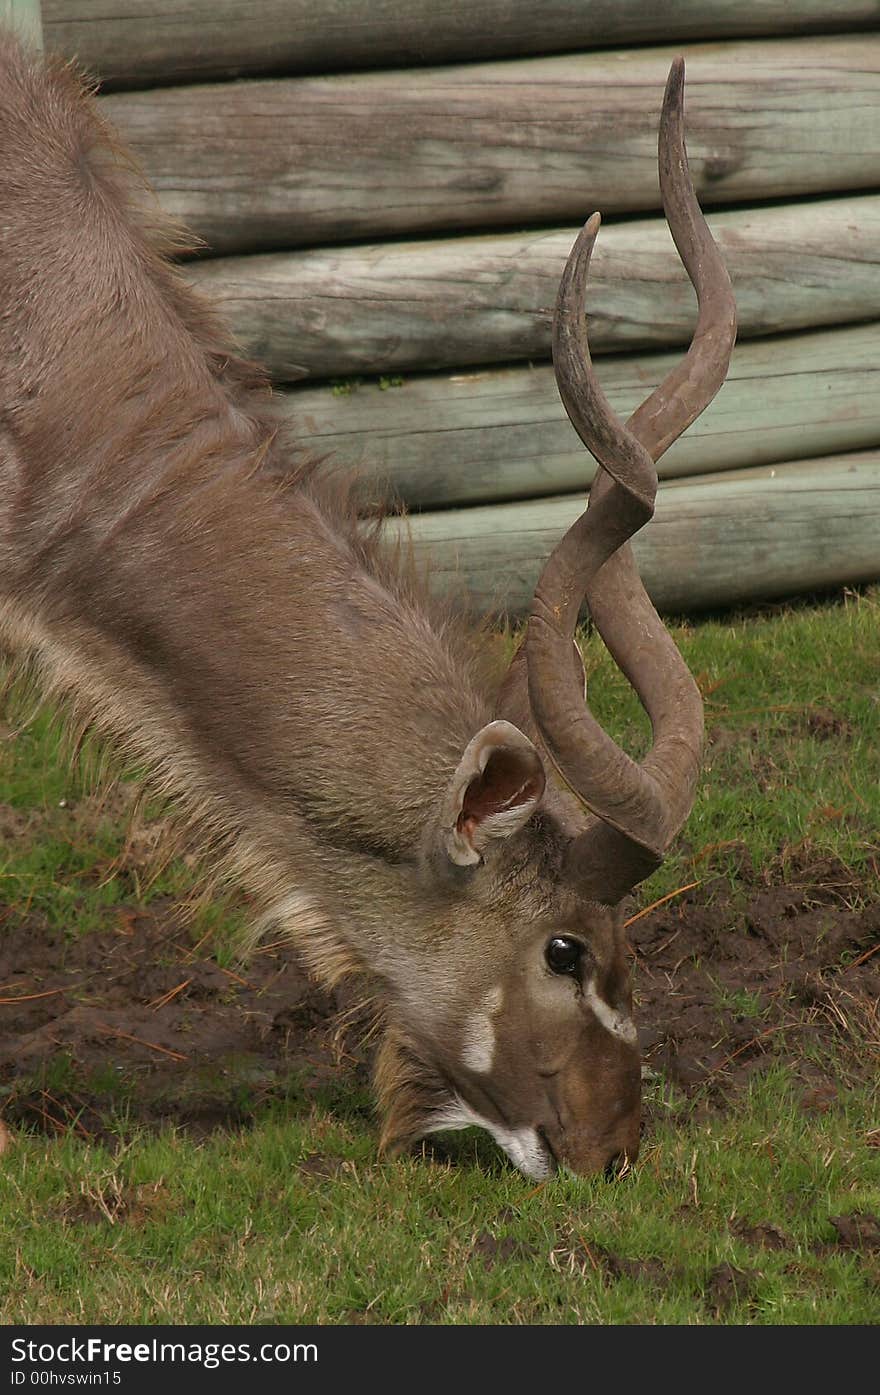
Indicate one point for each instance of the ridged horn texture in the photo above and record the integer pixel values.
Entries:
(640, 806)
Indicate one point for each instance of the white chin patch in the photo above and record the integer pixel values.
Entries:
(617, 1023)
(522, 1146)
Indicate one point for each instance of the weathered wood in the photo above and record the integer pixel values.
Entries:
(24, 17)
(141, 42)
(257, 165)
(714, 541)
(503, 434)
(394, 307)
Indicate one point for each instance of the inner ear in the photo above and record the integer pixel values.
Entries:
(495, 790)
(503, 787)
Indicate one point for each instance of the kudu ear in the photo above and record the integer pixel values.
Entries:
(495, 790)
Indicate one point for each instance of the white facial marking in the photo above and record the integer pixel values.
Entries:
(522, 1146)
(478, 1049)
(617, 1023)
(493, 1000)
(478, 1046)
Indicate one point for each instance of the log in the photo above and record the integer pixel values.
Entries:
(139, 44)
(503, 434)
(714, 540)
(444, 303)
(284, 163)
(24, 17)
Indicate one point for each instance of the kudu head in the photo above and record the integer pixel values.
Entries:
(547, 823)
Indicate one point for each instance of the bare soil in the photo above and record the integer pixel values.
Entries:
(783, 971)
(133, 1019)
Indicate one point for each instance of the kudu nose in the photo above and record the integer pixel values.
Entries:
(592, 1157)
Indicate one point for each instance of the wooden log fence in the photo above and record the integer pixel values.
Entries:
(282, 163)
(139, 45)
(450, 302)
(24, 17)
(459, 189)
(503, 434)
(717, 540)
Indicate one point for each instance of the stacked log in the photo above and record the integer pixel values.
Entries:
(387, 203)
(503, 434)
(288, 162)
(142, 45)
(393, 307)
(716, 540)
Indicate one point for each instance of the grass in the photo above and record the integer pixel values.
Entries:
(233, 1231)
(740, 1002)
(793, 721)
(232, 1228)
(70, 850)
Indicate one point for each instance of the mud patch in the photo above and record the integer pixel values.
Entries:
(858, 1231)
(824, 724)
(321, 1165)
(728, 1286)
(579, 1256)
(132, 1024)
(765, 1237)
(109, 1203)
(492, 1250)
(819, 1099)
(786, 972)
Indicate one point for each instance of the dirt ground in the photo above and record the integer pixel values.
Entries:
(787, 970)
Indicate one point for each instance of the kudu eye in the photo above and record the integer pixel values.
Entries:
(563, 954)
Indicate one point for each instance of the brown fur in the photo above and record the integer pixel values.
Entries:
(225, 620)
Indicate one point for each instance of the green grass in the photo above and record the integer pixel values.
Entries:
(793, 722)
(233, 1230)
(230, 1229)
(78, 850)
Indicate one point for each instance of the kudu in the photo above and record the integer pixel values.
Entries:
(222, 617)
